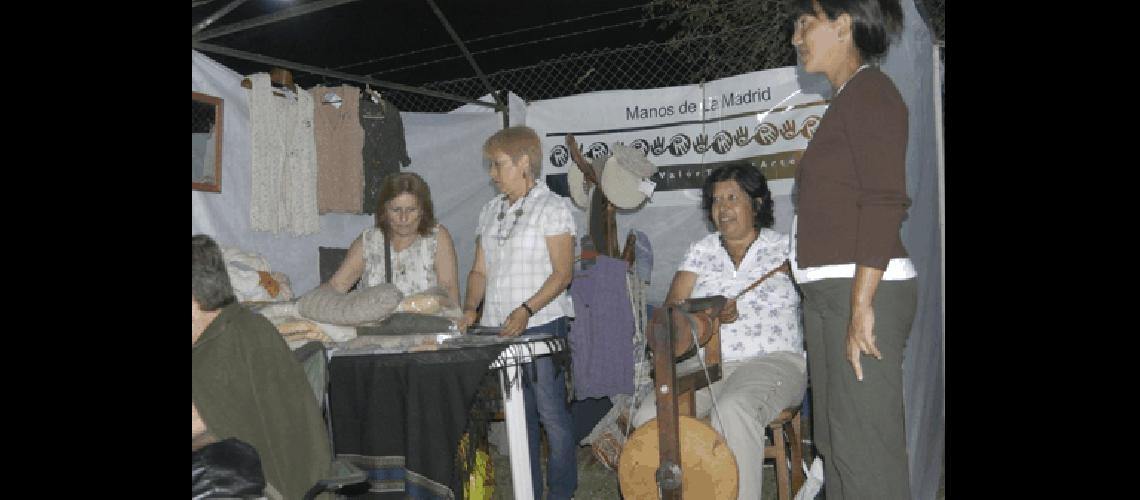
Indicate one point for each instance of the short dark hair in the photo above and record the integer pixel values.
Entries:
(406, 182)
(873, 22)
(211, 282)
(515, 142)
(751, 181)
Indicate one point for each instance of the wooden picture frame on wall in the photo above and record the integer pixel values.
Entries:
(207, 134)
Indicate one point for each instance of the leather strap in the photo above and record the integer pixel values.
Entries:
(785, 267)
(387, 257)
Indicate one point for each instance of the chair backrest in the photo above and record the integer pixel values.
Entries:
(313, 357)
(329, 261)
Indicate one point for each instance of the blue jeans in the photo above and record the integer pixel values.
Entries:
(545, 401)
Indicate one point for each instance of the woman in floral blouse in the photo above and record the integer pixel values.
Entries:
(763, 359)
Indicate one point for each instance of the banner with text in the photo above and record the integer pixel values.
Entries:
(687, 131)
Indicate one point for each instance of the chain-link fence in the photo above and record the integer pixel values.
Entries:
(718, 51)
(649, 65)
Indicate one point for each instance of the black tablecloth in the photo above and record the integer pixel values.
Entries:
(399, 417)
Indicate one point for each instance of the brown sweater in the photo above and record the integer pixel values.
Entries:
(340, 142)
(851, 181)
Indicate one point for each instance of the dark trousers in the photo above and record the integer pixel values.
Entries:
(858, 427)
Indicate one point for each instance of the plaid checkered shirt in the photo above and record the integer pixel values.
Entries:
(515, 253)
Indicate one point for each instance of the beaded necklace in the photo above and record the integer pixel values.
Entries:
(503, 213)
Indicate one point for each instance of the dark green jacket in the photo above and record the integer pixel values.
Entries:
(247, 384)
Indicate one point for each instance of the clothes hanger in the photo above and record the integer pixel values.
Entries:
(282, 78)
(589, 255)
(330, 96)
(281, 81)
(371, 94)
(277, 91)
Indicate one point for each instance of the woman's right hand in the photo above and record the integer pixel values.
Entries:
(728, 314)
(469, 317)
(197, 426)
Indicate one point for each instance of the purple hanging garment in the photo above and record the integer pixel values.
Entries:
(601, 337)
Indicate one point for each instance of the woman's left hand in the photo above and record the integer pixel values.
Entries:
(516, 323)
(861, 338)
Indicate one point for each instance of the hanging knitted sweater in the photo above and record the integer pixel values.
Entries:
(385, 150)
(340, 139)
(283, 196)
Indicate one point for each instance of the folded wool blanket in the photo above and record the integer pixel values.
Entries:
(302, 329)
(338, 333)
(369, 304)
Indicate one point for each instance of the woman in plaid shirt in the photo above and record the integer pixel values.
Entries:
(524, 256)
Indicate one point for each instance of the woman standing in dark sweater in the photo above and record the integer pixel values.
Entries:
(858, 283)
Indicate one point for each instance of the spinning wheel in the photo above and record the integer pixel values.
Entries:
(680, 456)
(708, 466)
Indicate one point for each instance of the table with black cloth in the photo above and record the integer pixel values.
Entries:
(399, 416)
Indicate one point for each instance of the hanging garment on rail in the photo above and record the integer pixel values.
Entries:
(340, 142)
(601, 337)
(385, 150)
(283, 196)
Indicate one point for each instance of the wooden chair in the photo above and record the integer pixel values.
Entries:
(786, 439)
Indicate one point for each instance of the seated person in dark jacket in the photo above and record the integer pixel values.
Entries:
(246, 383)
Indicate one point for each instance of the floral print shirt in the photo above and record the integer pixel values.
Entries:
(413, 268)
(769, 315)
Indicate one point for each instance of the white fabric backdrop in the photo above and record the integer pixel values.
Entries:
(910, 63)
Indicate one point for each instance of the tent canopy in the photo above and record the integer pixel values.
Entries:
(407, 43)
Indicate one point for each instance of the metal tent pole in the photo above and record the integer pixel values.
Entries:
(466, 53)
(267, 19)
(215, 16)
(240, 54)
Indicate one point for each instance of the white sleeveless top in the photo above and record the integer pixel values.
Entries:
(413, 268)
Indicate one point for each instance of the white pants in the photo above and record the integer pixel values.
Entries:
(749, 394)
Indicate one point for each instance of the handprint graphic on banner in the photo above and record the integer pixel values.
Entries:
(559, 156)
(597, 150)
(742, 137)
(702, 143)
(688, 131)
(722, 142)
(641, 145)
(810, 124)
(766, 134)
(679, 145)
